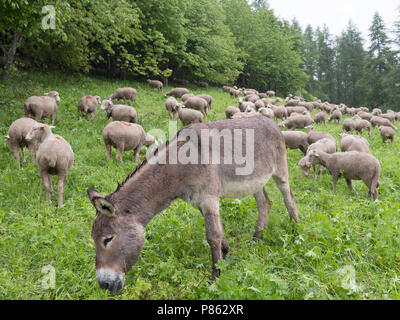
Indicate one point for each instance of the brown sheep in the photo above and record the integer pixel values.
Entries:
(124, 94)
(156, 84)
(296, 140)
(177, 92)
(119, 112)
(355, 166)
(350, 142)
(16, 139)
(54, 157)
(88, 104)
(42, 106)
(124, 136)
(387, 133)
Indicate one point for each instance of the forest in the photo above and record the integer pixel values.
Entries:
(223, 42)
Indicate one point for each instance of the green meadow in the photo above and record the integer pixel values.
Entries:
(345, 247)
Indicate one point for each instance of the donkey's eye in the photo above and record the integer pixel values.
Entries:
(107, 241)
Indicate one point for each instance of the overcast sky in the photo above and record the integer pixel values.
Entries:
(336, 14)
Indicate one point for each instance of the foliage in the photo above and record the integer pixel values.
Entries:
(346, 246)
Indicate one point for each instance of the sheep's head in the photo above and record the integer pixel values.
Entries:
(309, 129)
(54, 94)
(38, 132)
(98, 99)
(305, 165)
(106, 104)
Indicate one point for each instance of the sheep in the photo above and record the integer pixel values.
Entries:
(297, 109)
(197, 103)
(189, 116)
(336, 116)
(292, 103)
(187, 96)
(88, 104)
(156, 84)
(360, 124)
(243, 105)
(208, 98)
(270, 93)
(390, 116)
(16, 139)
(226, 88)
(376, 112)
(365, 115)
(259, 104)
(355, 166)
(177, 92)
(296, 140)
(249, 112)
(54, 157)
(119, 112)
(230, 111)
(124, 94)
(326, 145)
(349, 125)
(266, 112)
(320, 118)
(125, 136)
(202, 84)
(279, 112)
(379, 121)
(298, 122)
(234, 93)
(387, 133)
(350, 142)
(171, 106)
(251, 98)
(42, 106)
(314, 136)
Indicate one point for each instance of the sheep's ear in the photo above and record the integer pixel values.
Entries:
(100, 203)
(52, 127)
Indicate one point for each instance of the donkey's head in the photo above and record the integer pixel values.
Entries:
(118, 239)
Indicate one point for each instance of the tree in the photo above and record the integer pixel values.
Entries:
(19, 18)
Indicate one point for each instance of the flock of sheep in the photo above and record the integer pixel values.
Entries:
(55, 156)
(354, 161)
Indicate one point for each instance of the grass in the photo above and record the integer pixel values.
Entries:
(346, 247)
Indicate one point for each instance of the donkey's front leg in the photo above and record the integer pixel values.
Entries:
(214, 232)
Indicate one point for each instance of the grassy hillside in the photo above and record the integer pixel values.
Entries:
(346, 247)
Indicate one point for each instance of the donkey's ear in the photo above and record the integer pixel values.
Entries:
(100, 203)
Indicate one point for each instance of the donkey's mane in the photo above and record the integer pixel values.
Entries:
(131, 175)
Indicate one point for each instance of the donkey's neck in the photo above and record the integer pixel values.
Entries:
(149, 191)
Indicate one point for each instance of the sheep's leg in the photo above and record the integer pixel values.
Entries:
(93, 114)
(32, 152)
(108, 152)
(315, 171)
(120, 149)
(263, 206)
(214, 232)
(335, 177)
(38, 116)
(137, 152)
(47, 183)
(350, 185)
(15, 152)
(53, 118)
(23, 155)
(60, 188)
(281, 178)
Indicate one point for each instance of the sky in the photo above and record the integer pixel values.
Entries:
(336, 14)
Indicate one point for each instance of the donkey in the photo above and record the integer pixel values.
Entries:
(122, 216)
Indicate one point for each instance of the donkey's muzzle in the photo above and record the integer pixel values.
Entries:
(110, 280)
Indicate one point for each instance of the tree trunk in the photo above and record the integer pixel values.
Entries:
(9, 55)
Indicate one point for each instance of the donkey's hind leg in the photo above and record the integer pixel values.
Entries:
(263, 206)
